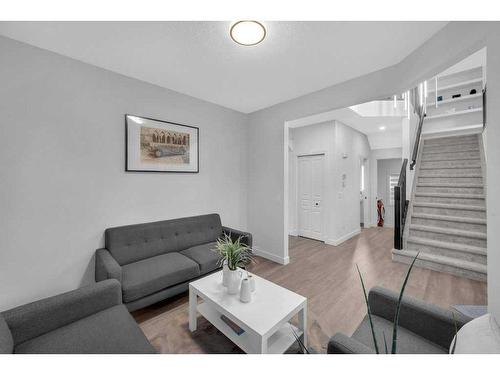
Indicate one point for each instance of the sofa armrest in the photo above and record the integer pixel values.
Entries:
(428, 321)
(246, 237)
(342, 344)
(40, 317)
(106, 267)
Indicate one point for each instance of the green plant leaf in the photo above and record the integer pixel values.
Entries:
(369, 311)
(234, 253)
(385, 344)
(398, 307)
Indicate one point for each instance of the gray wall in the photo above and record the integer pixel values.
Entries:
(62, 167)
(493, 171)
(385, 168)
(266, 129)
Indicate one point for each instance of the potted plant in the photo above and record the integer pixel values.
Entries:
(233, 255)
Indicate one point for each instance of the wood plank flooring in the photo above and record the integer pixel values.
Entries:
(327, 276)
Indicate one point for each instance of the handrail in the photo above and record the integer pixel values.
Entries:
(400, 207)
(417, 142)
(484, 107)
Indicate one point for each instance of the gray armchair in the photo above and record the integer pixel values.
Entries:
(423, 328)
(88, 320)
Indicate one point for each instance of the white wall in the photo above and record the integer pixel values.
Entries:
(493, 171)
(346, 204)
(62, 167)
(334, 139)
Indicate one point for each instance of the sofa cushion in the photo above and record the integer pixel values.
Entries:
(151, 275)
(204, 255)
(6, 341)
(131, 243)
(408, 342)
(109, 331)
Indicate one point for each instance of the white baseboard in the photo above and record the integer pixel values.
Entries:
(293, 232)
(338, 241)
(270, 256)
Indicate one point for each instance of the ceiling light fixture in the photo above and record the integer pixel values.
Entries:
(247, 33)
(382, 127)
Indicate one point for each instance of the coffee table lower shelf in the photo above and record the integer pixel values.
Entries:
(278, 343)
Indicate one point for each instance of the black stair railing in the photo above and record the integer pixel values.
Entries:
(416, 145)
(400, 207)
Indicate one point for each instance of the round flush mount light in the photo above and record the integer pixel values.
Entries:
(248, 33)
(382, 127)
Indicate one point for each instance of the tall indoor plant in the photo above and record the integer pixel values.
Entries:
(233, 255)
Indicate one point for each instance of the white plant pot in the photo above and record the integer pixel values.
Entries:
(233, 281)
(251, 279)
(246, 291)
(225, 273)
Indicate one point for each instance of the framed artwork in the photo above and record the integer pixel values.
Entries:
(160, 146)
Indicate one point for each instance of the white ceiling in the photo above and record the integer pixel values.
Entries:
(390, 137)
(199, 58)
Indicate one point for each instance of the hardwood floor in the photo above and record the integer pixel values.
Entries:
(327, 276)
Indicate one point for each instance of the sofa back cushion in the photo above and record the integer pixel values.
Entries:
(6, 341)
(132, 243)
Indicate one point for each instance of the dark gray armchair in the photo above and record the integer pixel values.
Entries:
(423, 328)
(89, 320)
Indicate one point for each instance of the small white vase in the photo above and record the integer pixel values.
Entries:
(252, 282)
(246, 291)
(225, 272)
(233, 281)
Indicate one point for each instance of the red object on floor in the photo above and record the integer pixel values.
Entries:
(381, 213)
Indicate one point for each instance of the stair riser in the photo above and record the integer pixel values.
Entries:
(450, 144)
(450, 212)
(471, 257)
(450, 200)
(451, 164)
(452, 180)
(450, 190)
(442, 268)
(448, 172)
(451, 156)
(448, 238)
(444, 141)
(449, 224)
(452, 148)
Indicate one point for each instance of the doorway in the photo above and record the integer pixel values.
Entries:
(363, 198)
(310, 182)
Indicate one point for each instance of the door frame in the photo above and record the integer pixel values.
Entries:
(296, 185)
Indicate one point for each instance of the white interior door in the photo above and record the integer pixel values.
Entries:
(310, 196)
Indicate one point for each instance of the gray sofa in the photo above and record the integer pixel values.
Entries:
(423, 328)
(89, 320)
(154, 261)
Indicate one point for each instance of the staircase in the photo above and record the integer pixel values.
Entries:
(447, 215)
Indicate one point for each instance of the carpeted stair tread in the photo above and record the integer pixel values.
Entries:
(449, 184)
(459, 219)
(448, 231)
(448, 245)
(444, 260)
(449, 206)
(450, 195)
(451, 175)
(469, 166)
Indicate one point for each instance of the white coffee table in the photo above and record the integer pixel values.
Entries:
(265, 319)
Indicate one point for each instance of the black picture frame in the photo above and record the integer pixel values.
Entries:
(127, 169)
